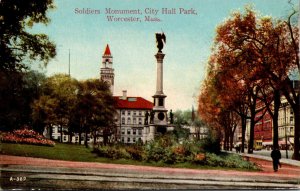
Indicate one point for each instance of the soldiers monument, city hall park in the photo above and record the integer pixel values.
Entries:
(159, 122)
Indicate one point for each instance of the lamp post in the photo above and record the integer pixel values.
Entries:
(69, 62)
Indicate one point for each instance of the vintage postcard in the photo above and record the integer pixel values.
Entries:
(141, 94)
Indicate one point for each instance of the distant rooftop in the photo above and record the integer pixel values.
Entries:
(132, 103)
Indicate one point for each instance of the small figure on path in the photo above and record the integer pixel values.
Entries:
(151, 117)
(276, 156)
(171, 117)
(237, 148)
(146, 118)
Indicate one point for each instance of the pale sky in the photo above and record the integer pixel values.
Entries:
(133, 46)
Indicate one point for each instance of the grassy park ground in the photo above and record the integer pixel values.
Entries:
(73, 152)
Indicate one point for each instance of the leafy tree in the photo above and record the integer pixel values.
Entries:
(18, 48)
(254, 54)
(96, 109)
(56, 105)
(43, 113)
(17, 45)
(18, 90)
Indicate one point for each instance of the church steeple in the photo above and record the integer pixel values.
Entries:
(106, 71)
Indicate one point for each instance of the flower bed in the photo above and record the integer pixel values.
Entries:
(26, 136)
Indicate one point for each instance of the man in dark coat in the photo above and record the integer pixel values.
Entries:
(276, 155)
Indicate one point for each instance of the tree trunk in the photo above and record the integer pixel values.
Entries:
(232, 130)
(294, 101)
(231, 140)
(79, 133)
(61, 134)
(105, 139)
(85, 140)
(244, 124)
(226, 140)
(51, 130)
(95, 137)
(296, 110)
(252, 125)
(275, 118)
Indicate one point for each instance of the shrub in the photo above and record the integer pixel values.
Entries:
(229, 160)
(112, 152)
(237, 161)
(169, 157)
(199, 158)
(211, 144)
(155, 153)
(165, 150)
(214, 160)
(135, 152)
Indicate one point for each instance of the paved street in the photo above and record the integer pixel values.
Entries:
(50, 174)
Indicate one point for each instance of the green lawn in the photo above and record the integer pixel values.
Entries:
(73, 152)
(61, 151)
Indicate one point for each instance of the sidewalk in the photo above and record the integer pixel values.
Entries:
(282, 160)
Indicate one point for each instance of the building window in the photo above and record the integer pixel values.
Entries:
(128, 131)
(134, 120)
(128, 120)
(140, 121)
(128, 140)
(123, 120)
(291, 120)
(123, 112)
(134, 113)
(122, 139)
(133, 139)
(123, 131)
(140, 131)
(140, 139)
(140, 113)
(128, 112)
(134, 132)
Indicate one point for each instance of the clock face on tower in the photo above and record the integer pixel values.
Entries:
(161, 116)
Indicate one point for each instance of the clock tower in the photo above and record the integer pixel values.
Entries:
(106, 71)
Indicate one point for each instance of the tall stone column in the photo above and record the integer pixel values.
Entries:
(159, 73)
(160, 120)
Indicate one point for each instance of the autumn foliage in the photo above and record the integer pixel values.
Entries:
(251, 59)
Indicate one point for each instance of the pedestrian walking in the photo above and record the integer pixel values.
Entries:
(276, 156)
(237, 148)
